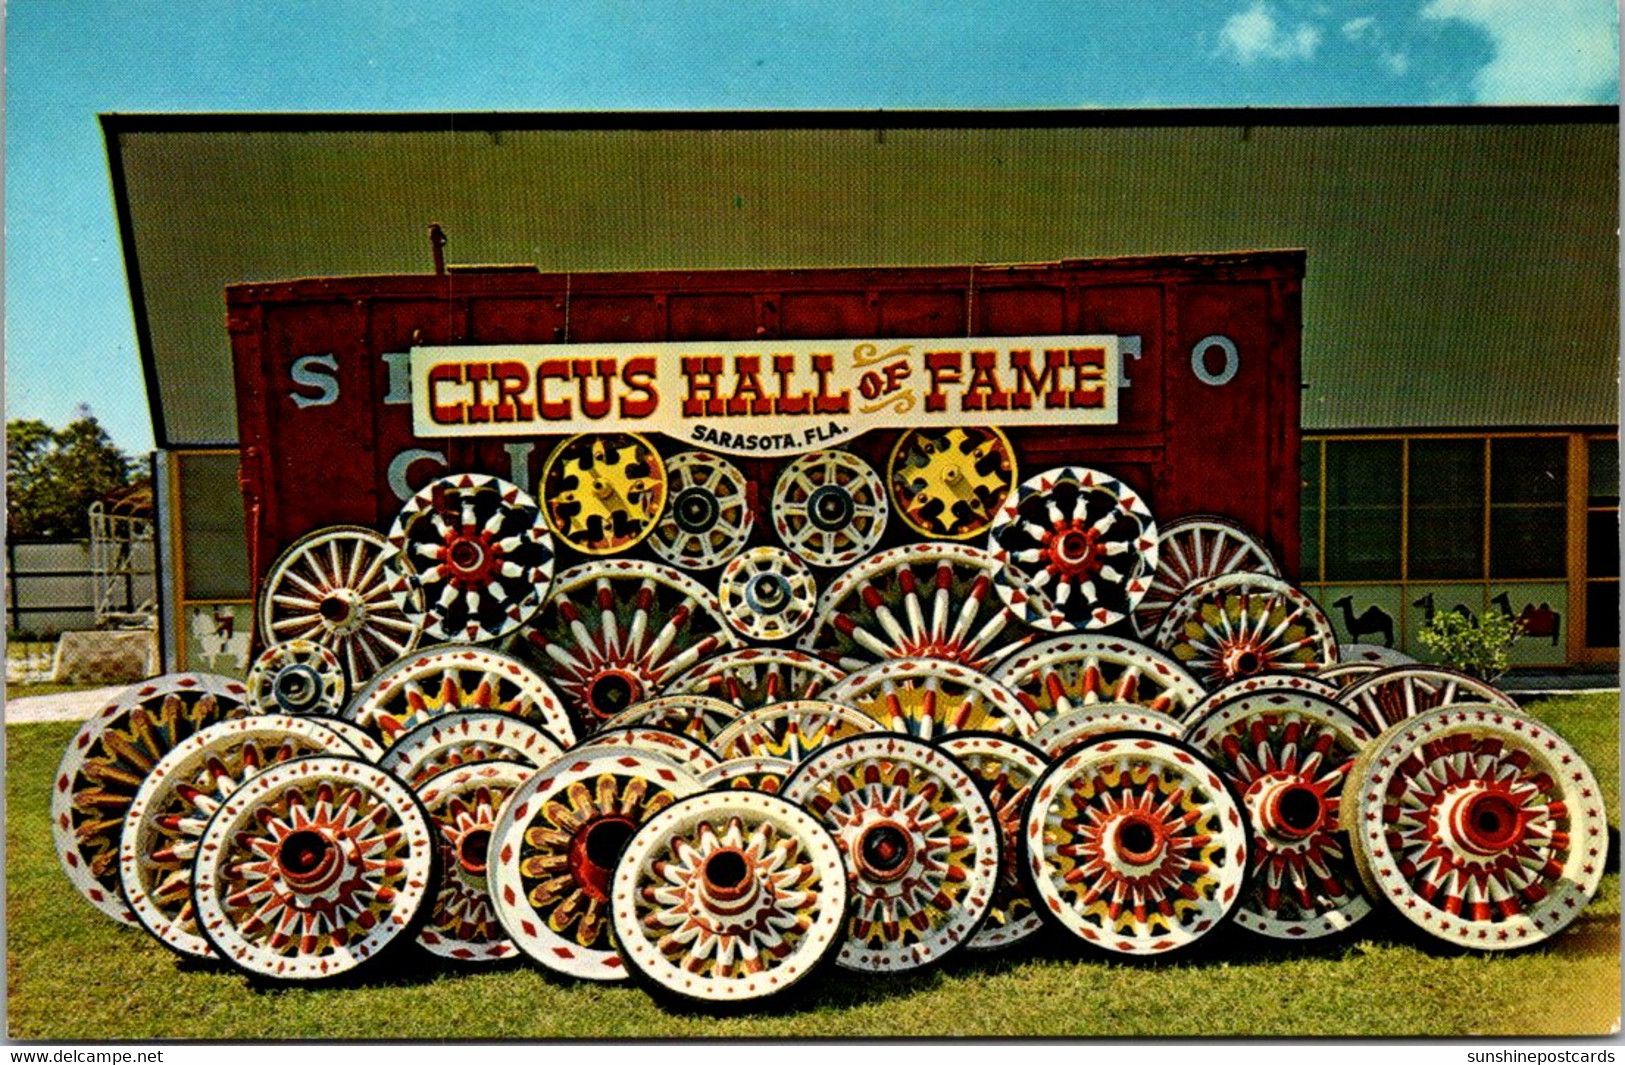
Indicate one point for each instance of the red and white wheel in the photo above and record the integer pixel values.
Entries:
(454, 679)
(1392, 695)
(1264, 683)
(296, 677)
(1065, 731)
(791, 730)
(686, 751)
(462, 803)
(1234, 626)
(928, 698)
(1191, 550)
(759, 774)
(767, 593)
(698, 717)
(454, 741)
(1070, 672)
(365, 746)
(753, 677)
(829, 507)
(709, 518)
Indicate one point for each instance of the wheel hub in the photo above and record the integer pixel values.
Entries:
(1139, 841)
(593, 852)
(343, 611)
(695, 510)
(1486, 822)
(884, 851)
(1244, 661)
(830, 507)
(612, 692)
(472, 849)
(308, 861)
(768, 593)
(1073, 550)
(1287, 809)
(729, 881)
(297, 689)
(471, 559)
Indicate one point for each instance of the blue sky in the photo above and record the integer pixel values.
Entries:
(69, 332)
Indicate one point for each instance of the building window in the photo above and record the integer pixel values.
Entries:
(1309, 510)
(213, 545)
(1445, 510)
(1529, 507)
(1364, 492)
(1602, 542)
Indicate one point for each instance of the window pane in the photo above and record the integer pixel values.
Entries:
(1363, 483)
(1602, 614)
(1602, 543)
(1529, 470)
(1309, 511)
(214, 541)
(1447, 509)
(1362, 473)
(1604, 473)
(1528, 542)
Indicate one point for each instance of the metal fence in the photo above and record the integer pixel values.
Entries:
(51, 588)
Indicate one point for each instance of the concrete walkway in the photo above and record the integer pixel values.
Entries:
(64, 706)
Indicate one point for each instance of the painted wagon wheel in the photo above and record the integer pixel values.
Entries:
(332, 587)
(613, 632)
(759, 774)
(1191, 550)
(173, 806)
(1134, 845)
(1067, 673)
(452, 679)
(107, 760)
(357, 737)
(1057, 736)
(928, 698)
(927, 600)
(686, 751)
(709, 518)
(920, 842)
(554, 849)
(604, 492)
(462, 804)
(829, 507)
(753, 677)
(454, 741)
(949, 483)
(1288, 754)
(476, 549)
(1346, 674)
(1234, 626)
(767, 593)
(1075, 549)
(313, 868)
(731, 896)
(790, 730)
(296, 677)
(1262, 683)
(1004, 769)
(1482, 827)
(698, 717)
(1391, 695)
(1374, 654)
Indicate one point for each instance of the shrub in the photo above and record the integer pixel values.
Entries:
(1479, 645)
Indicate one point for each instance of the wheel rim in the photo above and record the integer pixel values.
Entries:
(918, 601)
(829, 507)
(454, 679)
(1232, 627)
(313, 867)
(928, 698)
(1392, 695)
(1190, 551)
(1482, 827)
(1288, 755)
(477, 550)
(1004, 769)
(791, 730)
(296, 677)
(454, 741)
(1070, 672)
(767, 594)
(729, 896)
(686, 751)
(173, 805)
(333, 587)
(554, 848)
(1057, 736)
(709, 519)
(604, 492)
(462, 804)
(920, 844)
(1075, 549)
(949, 483)
(365, 746)
(758, 774)
(753, 677)
(1134, 845)
(698, 717)
(1265, 683)
(104, 766)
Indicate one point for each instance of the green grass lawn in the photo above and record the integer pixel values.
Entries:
(73, 974)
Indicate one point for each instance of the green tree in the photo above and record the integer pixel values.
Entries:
(1479, 645)
(53, 475)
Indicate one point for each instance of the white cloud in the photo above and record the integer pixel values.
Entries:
(1398, 63)
(1356, 28)
(1556, 51)
(1254, 34)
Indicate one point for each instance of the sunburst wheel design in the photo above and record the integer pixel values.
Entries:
(1392, 695)
(1482, 827)
(604, 492)
(829, 507)
(686, 751)
(1075, 549)
(613, 632)
(927, 698)
(107, 761)
(1191, 550)
(555, 845)
(1057, 736)
(699, 717)
(454, 741)
(920, 842)
(709, 518)
(1265, 683)
(729, 897)
(791, 730)
(1004, 769)
(477, 551)
(1135, 845)
(1288, 754)
(365, 746)
(767, 593)
(170, 811)
(928, 600)
(313, 868)
(758, 774)
(297, 677)
(1234, 626)
(1068, 673)
(949, 483)
(462, 804)
(332, 587)
(753, 677)
(453, 679)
